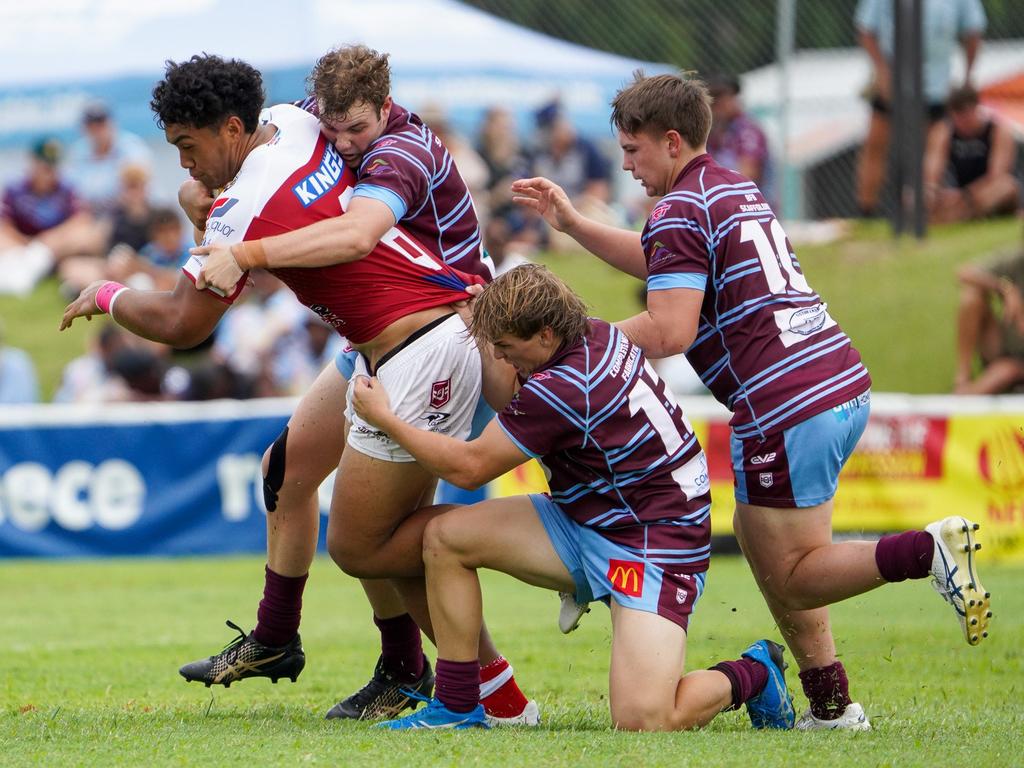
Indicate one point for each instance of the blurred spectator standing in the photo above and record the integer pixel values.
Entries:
(299, 357)
(968, 169)
(42, 221)
(18, 382)
(945, 22)
(990, 327)
(96, 160)
(736, 140)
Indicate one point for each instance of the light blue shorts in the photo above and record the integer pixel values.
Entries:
(604, 570)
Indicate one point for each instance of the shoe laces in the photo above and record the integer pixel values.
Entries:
(231, 649)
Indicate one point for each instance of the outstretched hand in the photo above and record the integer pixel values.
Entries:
(83, 306)
(548, 199)
(370, 401)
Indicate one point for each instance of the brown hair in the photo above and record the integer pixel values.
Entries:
(523, 301)
(962, 99)
(349, 75)
(664, 103)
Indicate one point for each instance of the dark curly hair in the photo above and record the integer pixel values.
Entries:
(206, 90)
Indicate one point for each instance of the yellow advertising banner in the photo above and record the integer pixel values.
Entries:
(912, 466)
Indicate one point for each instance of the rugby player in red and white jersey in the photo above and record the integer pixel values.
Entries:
(405, 176)
(724, 287)
(394, 306)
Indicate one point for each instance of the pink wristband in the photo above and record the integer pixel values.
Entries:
(105, 295)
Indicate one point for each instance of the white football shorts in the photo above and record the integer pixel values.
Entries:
(433, 382)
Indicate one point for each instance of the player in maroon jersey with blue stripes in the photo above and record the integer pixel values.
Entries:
(724, 286)
(626, 521)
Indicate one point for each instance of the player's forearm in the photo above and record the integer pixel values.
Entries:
(157, 316)
(654, 338)
(445, 457)
(332, 241)
(619, 247)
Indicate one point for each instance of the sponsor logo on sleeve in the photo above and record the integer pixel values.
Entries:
(626, 577)
(440, 393)
(377, 167)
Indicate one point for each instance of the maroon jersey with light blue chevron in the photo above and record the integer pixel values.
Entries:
(619, 454)
(766, 345)
(410, 170)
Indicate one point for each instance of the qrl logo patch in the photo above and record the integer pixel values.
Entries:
(627, 577)
(766, 480)
(440, 393)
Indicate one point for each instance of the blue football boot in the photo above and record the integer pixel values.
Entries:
(773, 706)
(436, 716)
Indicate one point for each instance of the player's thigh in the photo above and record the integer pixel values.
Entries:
(774, 539)
(504, 535)
(316, 430)
(371, 498)
(648, 659)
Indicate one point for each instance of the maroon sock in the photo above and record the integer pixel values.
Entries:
(458, 684)
(748, 678)
(401, 647)
(277, 620)
(827, 689)
(907, 555)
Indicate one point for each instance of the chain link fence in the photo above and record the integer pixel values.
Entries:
(803, 76)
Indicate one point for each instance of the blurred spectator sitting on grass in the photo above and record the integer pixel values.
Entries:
(154, 266)
(994, 334)
(96, 159)
(91, 377)
(246, 337)
(499, 147)
(577, 166)
(300, 356)
(133, 211)
(42, 221)
(18, 382)
(945, 22)
(736, 140)
(968, 169)
(504, 247)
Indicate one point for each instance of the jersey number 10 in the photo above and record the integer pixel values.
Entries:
(774, 259)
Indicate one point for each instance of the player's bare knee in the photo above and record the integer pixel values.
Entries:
(440, 538)
(640, 715)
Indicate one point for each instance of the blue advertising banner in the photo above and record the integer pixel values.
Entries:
(130, 479)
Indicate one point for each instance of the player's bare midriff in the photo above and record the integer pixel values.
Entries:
(399, 331)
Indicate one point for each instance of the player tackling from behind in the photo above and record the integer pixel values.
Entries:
(393, 305)
(406, 177)
(627, 520)
(724, 287)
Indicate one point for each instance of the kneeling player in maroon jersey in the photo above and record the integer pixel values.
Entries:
(627, 519)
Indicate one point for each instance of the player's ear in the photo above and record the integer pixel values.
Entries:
(675, 143)
(385, 108)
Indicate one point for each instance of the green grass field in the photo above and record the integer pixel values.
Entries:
(91, 651)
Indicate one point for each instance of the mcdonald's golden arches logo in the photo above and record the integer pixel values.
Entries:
(627, 577)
